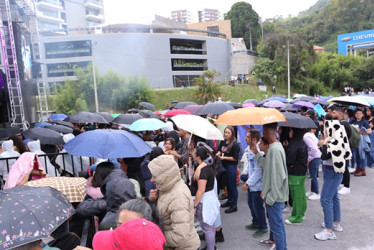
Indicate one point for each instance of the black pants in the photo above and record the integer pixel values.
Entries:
(346, 176)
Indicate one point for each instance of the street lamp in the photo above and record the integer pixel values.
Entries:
(288, 70)
(250, 36)
(94, 78)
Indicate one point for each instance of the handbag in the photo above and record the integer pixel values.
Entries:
(220, 169)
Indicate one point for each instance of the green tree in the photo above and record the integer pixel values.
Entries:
(207, 90)
(69, 99)
(243, 18)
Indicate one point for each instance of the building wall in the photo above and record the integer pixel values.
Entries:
(224, 27)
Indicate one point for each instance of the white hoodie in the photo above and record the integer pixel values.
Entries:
(34, 147)
(8, 151)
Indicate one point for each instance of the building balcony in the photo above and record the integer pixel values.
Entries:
(95, 17)
(49, 18)
(50, 4)
(93, 4)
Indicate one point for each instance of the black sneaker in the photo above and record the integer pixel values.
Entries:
(226, 204)
(231, 209)
(219, 236)
(259, 233)
(222, 197)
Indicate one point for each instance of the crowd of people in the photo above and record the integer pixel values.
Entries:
(170, 198)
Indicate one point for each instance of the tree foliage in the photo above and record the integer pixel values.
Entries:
(207, 90)
(242, 17)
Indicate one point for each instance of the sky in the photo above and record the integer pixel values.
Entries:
(143, 11)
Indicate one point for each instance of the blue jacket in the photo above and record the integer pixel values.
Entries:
(254, 173)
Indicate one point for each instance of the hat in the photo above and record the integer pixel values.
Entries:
(135, 234)
(112, 160)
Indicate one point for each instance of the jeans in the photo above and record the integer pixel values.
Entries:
(313, 171)
(256, 205)
(209, 231)
(371, 154)
(329, 196)
(356, 159)
(276, 224)
(297, 190)
(232, 190)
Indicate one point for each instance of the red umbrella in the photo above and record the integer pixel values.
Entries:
(175, 112)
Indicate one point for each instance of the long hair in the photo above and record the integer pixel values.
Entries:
(134, 172)
(103, 169)
(232, 139)
(204, 154)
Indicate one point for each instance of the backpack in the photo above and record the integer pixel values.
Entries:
(355, 139)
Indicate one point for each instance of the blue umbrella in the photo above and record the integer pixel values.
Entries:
(42, 124)
(54, 117)
(107, 143)
(147, 124)
(277, 98)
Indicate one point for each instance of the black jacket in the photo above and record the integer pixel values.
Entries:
(297, 157)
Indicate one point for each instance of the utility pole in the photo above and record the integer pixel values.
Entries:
(262, 28)
(288, 63)
(250, 37)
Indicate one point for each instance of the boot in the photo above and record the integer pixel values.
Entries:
(226, 204)
(219, 236)
(361, 173)
(357, 170)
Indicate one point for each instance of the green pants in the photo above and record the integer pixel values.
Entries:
(297, 189)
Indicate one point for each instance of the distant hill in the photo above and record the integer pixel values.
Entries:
(315, 8)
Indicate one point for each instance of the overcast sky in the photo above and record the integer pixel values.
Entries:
(143, 11)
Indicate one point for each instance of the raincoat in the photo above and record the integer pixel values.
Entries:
(8, 151)
(34, 147)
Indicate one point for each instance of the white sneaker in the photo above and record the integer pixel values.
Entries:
(344, 190)
(314, 196)
(325, 235)
(273, 247)
(287, 209)
(337, 228)
(309, 193)
(340, 186)
(351, 170)
(291, 223)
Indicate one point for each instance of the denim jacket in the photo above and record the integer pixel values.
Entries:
(254, 173)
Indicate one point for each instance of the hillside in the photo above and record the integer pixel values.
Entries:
(315, 8)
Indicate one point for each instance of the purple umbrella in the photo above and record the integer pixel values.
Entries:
(321, 102)
(274, 104)
(192, 108)
(301, 104)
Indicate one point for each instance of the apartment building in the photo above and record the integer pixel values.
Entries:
(181, 16)
(209, 15)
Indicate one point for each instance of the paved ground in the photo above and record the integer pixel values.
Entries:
(357, 221)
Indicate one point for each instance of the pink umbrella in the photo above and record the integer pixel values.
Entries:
(246, 105)
(175, 112)
(192, 108)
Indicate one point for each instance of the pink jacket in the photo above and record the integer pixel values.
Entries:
(94, 192)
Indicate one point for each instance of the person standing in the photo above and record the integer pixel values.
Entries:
(228, 152)
(370, 119)
(274, 184)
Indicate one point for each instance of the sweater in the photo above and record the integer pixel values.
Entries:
(275, 176)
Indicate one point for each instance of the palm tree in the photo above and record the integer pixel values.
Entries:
(207, 89)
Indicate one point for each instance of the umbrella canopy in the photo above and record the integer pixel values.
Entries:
(300, 104)
(28, 214)
(133, 110)
(54, 117)
(252, 116)
(175, 112)
(147, 105)
(199, 126)
(148, 114)
(114, 115)
(60, 129)
(64, 123)
(368, 98)
(44, 135)
(235, 105)
(106, 116)
(146, 124)
(277, 98)
(6, 132)
(85, 117)
(288, 107)
(181, 105)
(304, 99)
(215, 108)
(162, 112)
(321, 102)
(254, 101)
(246, 105)
(192, 108)
(107, 143)
(297, 121)
(274, 104)
(349, 101)
(42, 124)
(73, 188)
(127, 118)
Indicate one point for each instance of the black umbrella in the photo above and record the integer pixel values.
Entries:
(6, 132)
(85, 117)
(147, 105)
(304, 99)
(106, 116)
(288, 107)
(127, 118)
(64, 123)
(297, 121)
(235, 105)
(254, 101)
(44, 135)
(60, 129)
(133, 110)
(181, 105)
(28, 214)
(215, 108)
(148, 114)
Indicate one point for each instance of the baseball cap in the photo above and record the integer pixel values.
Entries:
(138, 234)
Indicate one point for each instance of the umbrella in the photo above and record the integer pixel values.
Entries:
(133, 110)
(181, 105)
(367, 98)
(297, 121)
(325, 98)
(300, 104)
(28, 214)
(42, 124)
(304, 99)
(248, 104)
(148, 114)
(349, 101)
(214, 108)
(85, 117)
(127, 118)
(60, 129)
(106, 116)
(199, 126)
(192, 108)
(175, 112)
(146, 124)
(64, 123)
(46, 136)
(321, 102)
(114, 115)
(73, 187)
(288, 107)
(161, 112)
(252, 116)
(277, 98)
(254, 101)
(6, 132)
(107, 143)
(147, 105)
(274, 104)
(235, 105)
(54, 117)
